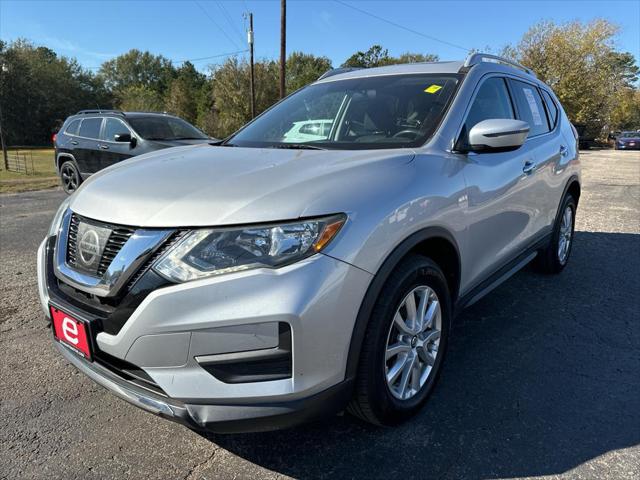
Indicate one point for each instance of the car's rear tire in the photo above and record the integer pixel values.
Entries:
(69, 177)
(555, 256)
(401, 351)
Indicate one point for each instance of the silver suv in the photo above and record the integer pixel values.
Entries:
(283, 274)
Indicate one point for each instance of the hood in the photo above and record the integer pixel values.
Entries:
(203, 185)
(629, 139)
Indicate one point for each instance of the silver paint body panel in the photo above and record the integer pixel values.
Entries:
(488, 203)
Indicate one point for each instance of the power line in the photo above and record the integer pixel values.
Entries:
(216, 24)
(190, 59)
(211, 56)
(225, 12)
(402, 26)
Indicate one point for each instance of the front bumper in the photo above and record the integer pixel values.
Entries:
(177, 326)
(219, 418)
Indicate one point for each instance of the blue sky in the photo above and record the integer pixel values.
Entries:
(94, 31)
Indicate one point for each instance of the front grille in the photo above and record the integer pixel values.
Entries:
(72, 243)
(118, 237)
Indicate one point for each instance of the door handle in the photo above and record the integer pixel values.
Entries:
(564, 151)
(529, 167)
(104, 147)
(73, 142)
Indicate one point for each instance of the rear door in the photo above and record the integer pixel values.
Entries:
(548, 148)
(86, 152)
(500, 210)
(112, 152)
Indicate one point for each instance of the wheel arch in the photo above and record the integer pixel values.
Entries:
(436, 243)
(63, 157)
(571, 187)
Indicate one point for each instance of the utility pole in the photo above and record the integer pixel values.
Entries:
(251, 78)
(283, 46)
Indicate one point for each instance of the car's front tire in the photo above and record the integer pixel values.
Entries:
(555, 256)
(69, 177)
(404, 345)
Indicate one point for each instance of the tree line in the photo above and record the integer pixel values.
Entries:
(597, 84)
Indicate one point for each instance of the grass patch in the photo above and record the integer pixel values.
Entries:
(44, 175)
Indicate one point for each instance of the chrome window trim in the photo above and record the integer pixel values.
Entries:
(129, 259)
(97, 139)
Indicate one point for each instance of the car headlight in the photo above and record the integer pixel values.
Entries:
(206, 252)
(57, 218)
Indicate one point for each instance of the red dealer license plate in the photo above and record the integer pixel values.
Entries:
(70, 331)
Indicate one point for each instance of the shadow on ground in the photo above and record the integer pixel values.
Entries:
(541, 376)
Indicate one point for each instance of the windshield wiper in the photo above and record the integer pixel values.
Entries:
(220, 143)
(297, 146)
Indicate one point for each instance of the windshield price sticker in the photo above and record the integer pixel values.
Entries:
(432, 89)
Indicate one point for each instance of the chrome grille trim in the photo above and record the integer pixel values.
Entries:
(119, 236)
(170, 242)
(72, 242)
(131, 256)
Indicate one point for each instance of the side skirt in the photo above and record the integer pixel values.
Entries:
(502, 274)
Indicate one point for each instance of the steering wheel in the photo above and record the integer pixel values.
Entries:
(406, 132)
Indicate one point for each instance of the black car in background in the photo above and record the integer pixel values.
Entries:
(95, 139)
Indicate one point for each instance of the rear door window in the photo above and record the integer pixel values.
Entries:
(90, 128)
(530, 107)
(552, 108)
(72, 128)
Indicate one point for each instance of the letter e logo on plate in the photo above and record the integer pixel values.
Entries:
(70, 330)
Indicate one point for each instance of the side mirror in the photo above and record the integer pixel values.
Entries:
(498, 135)
(122, 137)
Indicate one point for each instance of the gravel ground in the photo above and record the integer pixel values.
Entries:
(542, 377)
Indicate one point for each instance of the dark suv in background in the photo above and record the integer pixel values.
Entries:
(95, 139)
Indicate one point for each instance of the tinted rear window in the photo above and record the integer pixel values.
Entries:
(551, 108)
(72, 128)
(90, 127)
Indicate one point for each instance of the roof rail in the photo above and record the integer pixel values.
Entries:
(86, 112)
(476, 58)
(336, 71)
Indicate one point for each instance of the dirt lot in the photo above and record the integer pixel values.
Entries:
(542, 377)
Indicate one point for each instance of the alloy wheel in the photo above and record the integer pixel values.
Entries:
(412, 343)
(69, 178)
(566, 232)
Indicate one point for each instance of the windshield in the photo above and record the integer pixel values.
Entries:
(630, 134)
(390, 111)
(165, 128)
